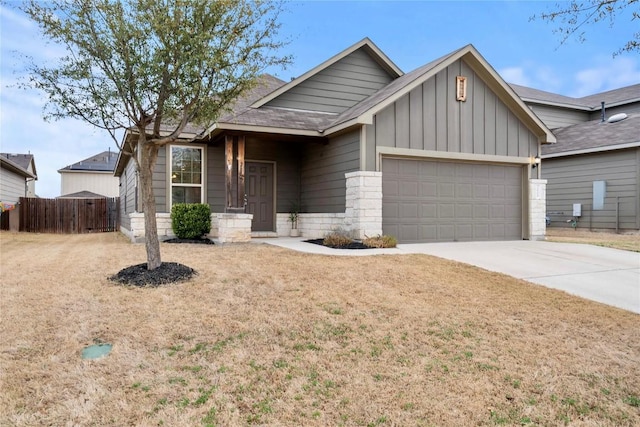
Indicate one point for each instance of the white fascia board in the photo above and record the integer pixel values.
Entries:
(384, 60)
(557, 104)
(592, 150)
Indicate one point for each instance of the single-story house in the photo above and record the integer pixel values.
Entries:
(446, 152)
(595, 163)
(93, 175)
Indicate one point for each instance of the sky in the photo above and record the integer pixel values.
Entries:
(410, 33)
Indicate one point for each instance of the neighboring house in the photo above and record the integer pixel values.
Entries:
(596, 161)
(442, 153)
(17, 177)
(92, 177)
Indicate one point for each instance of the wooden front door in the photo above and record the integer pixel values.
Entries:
(259, 188)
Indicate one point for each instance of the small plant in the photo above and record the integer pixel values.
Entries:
(337, 238)
(293, 217)
(384, 241)
(190, 220)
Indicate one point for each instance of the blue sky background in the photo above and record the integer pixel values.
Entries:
(411, 33)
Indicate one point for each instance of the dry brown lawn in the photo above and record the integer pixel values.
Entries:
(266, 336)
(624, 241)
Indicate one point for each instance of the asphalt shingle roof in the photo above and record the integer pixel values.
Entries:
(21, 160)
(102, 162)
(595, 134)
(591, 102)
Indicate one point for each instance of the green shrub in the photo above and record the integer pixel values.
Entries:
(337, 238)
(190, 220)
(384, 241)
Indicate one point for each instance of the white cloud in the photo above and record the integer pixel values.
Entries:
(515, 75)
(607, 74)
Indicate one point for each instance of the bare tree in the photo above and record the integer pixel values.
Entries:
(152, 67)
(573, 17)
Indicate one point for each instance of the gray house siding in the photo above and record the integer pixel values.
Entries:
(215, 177)
(430, 118)
(160, 181)
(323, 184)
(557, 117)
(338, 87)
(570, 180)
(13, 186)
(127, 193)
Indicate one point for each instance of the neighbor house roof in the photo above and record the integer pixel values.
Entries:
(595, 136)
(611, 98)
(82, 195)
(102, 162)
(19, 163)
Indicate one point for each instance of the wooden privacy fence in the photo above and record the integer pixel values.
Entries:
(69, 216)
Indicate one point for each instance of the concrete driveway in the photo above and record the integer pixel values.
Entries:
(609, 276)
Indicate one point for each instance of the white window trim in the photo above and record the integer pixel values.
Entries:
(203, 165)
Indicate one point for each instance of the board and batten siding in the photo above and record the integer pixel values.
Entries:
(13, 186)
(337, 87)
(570, 180)
(430, 118)
(323, 182)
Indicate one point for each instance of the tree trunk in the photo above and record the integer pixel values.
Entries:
(149, 154)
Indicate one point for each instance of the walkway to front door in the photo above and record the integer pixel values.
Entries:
(259, 188)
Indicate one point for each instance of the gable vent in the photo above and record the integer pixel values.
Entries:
(461, 88)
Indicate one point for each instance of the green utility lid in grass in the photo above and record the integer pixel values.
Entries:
(96, 351)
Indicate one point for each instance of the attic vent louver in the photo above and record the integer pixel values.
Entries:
(617, 118)
(461, 88)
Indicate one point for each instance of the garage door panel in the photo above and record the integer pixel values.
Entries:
(427, 201)
(464, 190)
(446, 189)
(464, 211)
(408, 211)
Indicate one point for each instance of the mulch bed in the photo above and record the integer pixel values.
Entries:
(203, 241)
(353, 245)
(167, 273)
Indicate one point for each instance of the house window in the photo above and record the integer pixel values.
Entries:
(186, 174)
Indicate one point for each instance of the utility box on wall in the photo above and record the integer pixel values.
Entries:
(599, 192)
(577, 209)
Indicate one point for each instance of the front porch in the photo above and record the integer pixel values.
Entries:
(362, 217)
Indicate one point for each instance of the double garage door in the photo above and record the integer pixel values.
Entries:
(441, 201)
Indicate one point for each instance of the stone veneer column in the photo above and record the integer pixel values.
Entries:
(231, 227)
(363, 213)
(537, 209)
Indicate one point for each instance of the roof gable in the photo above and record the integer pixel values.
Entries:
(338, 83)
(364, 111)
